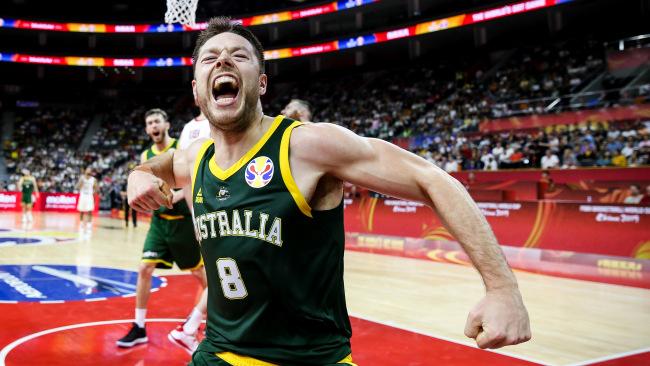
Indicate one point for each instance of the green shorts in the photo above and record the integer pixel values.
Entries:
(172, 241)
(202, 358)
(26, 199)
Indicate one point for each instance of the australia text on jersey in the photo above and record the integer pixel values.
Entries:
(231, 225)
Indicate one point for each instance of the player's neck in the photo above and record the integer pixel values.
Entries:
(233, 145)
(160, 146)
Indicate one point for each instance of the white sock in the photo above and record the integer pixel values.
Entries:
(193, 322)
(24, 217)
(30, 218)
(140, 315)
(90, 225)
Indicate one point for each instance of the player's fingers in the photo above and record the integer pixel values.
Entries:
(489, 338)
(473, 325)
(149, 202)
(167, 194)
(137, 206)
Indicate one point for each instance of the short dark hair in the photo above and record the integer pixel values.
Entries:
(218, 25)
(156, 111)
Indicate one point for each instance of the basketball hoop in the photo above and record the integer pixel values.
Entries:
(181, 11)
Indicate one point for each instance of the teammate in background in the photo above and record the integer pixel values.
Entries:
(127, 209)
(28, 187)
(271, 221)
(170, 240)
(196, 129)
(87, 187)
(298, 109)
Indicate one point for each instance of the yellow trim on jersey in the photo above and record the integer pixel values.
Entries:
(143, 156)
(225, 174)
(171, 217)
(195, 267)
(348, 360)
(170, 265)
(239, 360)
(197, 161)
(155, 151)
(285, 170)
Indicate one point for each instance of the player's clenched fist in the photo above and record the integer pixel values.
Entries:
(147, 192)
(500, 319)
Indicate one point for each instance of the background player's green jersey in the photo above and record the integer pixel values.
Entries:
(27, 189)
(274, 267)
(180, 207)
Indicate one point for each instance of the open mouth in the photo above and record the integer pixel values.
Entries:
(156, 134)
(225, 89)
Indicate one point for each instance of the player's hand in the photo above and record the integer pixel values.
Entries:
(147, 192)
(500, 319)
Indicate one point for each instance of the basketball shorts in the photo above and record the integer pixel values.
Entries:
(172, 241)
(86, 203)
(202, 358)
(27, 199)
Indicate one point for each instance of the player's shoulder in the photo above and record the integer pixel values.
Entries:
(319, 140)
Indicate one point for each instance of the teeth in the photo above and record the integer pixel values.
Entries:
(225, 79)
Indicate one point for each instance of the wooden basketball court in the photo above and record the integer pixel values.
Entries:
(405, 311)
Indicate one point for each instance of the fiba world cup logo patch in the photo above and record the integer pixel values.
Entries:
(259, 172)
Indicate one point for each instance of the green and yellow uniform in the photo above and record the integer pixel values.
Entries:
(171, 235)
(274, 266)
(27, 189)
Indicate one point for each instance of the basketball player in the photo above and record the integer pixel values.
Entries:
(170, 239)
(87, 187)
(27, 186)
(267, 195)
(298, 109)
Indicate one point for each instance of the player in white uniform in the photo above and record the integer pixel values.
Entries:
(197, 128)
(87, 188)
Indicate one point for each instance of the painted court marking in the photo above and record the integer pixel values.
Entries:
(5, 351)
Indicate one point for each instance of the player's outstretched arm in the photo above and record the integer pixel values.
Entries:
(501, 318)
(150, 182)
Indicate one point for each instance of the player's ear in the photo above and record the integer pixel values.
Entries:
(196, 98)
(263, 81)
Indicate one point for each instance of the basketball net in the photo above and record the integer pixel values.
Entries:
(181, 11)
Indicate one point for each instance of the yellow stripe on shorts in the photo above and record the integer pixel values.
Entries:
(239, 360)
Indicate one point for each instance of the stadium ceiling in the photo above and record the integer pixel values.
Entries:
(130, 11)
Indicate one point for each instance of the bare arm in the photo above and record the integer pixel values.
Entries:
(35, 187)
(385, 168)
(149, 183)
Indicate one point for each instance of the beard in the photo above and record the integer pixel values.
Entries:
(231, 121)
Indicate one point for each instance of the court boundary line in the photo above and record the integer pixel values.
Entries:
(447, 339)
(611, 357)
(8, 348)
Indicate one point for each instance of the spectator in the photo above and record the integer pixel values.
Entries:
(550, 160)
(619, 160)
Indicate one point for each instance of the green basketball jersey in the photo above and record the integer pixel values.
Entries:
(180, 207)
(274, 267)
(27, 188)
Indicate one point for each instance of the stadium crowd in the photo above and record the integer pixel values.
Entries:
(437, 109)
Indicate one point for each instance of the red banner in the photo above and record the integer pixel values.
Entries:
(566, 118)
(628, 59)
(621, 230)
(9, 201)
(47, 202)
